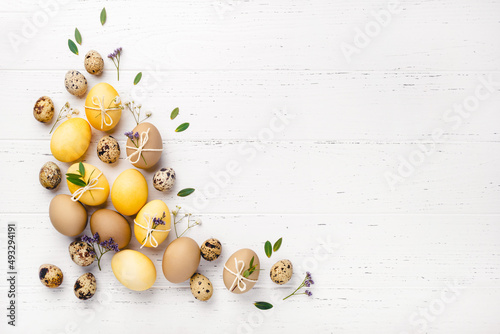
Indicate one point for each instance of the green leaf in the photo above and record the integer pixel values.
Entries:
(182, 127)
(268, 248)
(174, 113)
(81, 169)
(246, 273)
(78, 36)
(185, 192)
(72, 46)
(277, 244)
(78, 176)
(137, 78)
(251, 261)
(76, 181)
(263, 305)
(103, 16)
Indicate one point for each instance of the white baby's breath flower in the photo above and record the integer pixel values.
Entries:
(117, 99)
(148, 114)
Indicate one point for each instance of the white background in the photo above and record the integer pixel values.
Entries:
(421, 256)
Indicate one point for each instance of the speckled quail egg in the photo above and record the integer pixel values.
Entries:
(201, 287)
(50, 175)
(75, 83)
(211, 249)
(81, 253)
(43, 109)
(50, 275)
(108, 149)
(281, 272)
(93, 62)
(85, 286)
(164, 179)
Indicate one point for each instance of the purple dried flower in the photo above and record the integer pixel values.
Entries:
(308, 274)
(96, 237)
(306, 283)
(311, 281)
(115, 57)
(136, 135)
(130, 134)
(309, 293)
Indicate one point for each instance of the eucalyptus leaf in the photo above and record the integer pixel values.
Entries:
(103, 16)
(78, 36)
(182, 127)
(277, 244)
(174, 113)
(72, 46)
(185, 192)
(81, 169)
(263, 305)
(137, 78)
(268, 248)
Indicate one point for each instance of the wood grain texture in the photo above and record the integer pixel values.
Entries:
(313, 135)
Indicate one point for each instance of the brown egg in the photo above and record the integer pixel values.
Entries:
(111, 224)
(181, 259)
(154, 142)
(243, 258)
(67, 216)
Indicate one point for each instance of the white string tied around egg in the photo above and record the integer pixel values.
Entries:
(104, 111)
(149, 231)
(143, 139)
(239, 278)
(91, 185)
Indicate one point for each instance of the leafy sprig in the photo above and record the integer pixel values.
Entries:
(251, 268)
(79, 177)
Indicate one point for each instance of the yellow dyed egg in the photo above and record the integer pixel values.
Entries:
(129, 192)
(97, 184)
(101, 108)
(70, 140)
(144, 220)
(133, 269)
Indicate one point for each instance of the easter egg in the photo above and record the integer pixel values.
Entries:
(133, 269)
(238, 263)
(181, 260)
(147, 136)
(97, 184)
(129, 192)
(111, 224)
(101, 108)
(70, 140)
(145, 220)
(67, 216)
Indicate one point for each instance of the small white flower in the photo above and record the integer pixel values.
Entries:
(198, 222)
(148, 114)
(117, 99)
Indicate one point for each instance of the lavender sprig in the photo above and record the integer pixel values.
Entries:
(100, 248)
(307, 282)
(134, 138)
(115, 57)
(156, 222)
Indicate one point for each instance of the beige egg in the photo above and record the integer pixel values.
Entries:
(85, 286)
(75, 83)
(211, 249)
(43, 111)
(111, 224)
(67, 217)
(50, 175)
(281, 272)
(201, 287)
(237, 264)
(154, 142)
(50, 275)
(181, 259)
(81, 253)
(94, 63)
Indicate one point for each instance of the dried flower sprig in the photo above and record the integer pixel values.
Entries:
(135, 109)
(65, 112)
(156, 222)
(175, 213)
(134, 138)
(100, 248)
(115, 57)
(307, 282)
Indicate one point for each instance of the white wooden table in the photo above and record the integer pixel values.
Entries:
(397, 240)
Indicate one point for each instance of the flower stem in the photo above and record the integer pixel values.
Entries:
(300, 286)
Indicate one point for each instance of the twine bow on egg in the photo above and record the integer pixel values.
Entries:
(104, 111)
(142, 141)
(149, 231)
(239, 278)
(91, 185)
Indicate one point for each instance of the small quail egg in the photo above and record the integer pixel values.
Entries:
(281, 272)
(211, 249)
(75, 83)
(50, 275)
(108, 149)
(85, 286)
(164, 179)
(81, 253)
(93, 62)
(50, 175)
(201, 287)
(43, 109)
